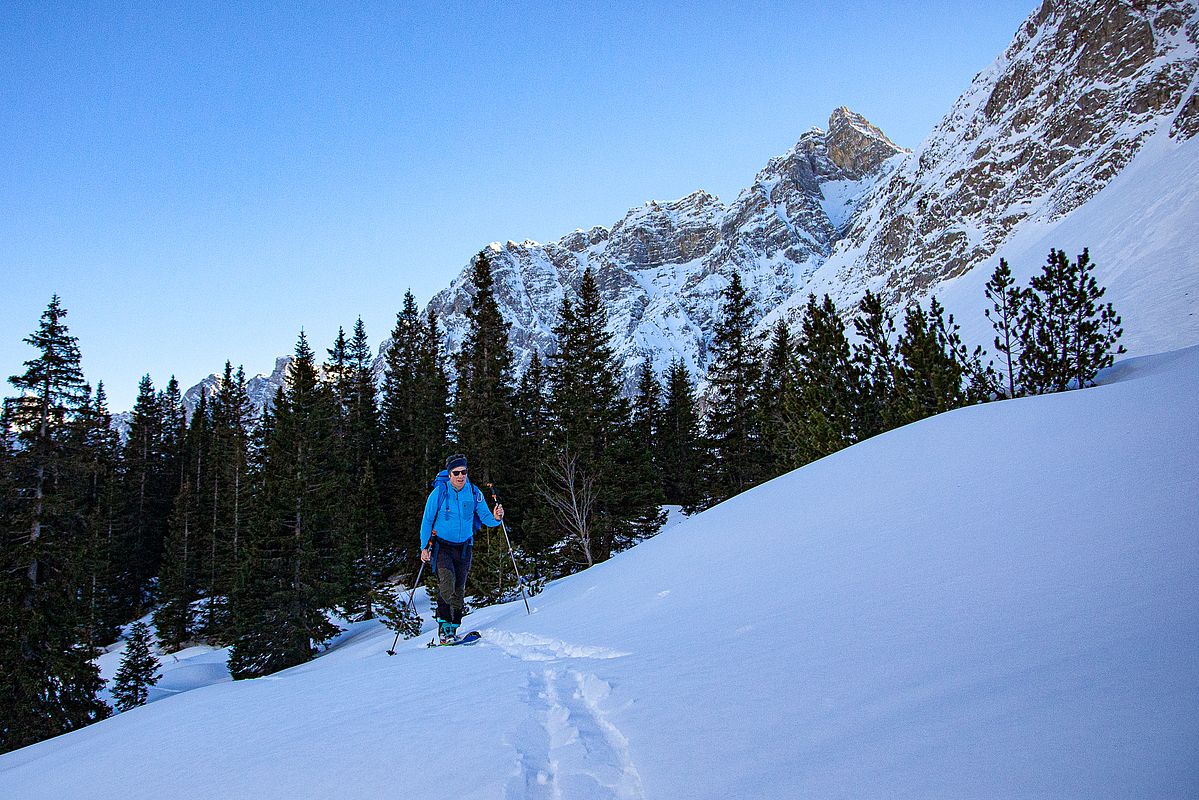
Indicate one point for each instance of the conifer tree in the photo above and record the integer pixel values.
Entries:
(365, 561)
(679, 456)
(47, 678)
(528, 518)
(432, 405)
(401, 476)
(777, 384)
(734, 373)
(1068, 336)
(148, 477)
(823, 414)
(222, 428)
(931, 379)
(101, 447)
(1007, 300)
(879, 365)
(413, 412)
(362, 406)
(279, 607)
(484, 422)
(138, 670)
(589, 415)
(644, 494)
(178, 582)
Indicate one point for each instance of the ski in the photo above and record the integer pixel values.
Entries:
(469, 638)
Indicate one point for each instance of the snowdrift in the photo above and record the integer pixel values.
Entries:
(1002, 601)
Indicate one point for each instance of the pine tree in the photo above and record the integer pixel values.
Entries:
(484, 422)
(148, 477)
(734, 373)
(101, 447)
(365, 561)
(1007, 301)
(823, 415)
(931, 378)
(528, 518)
(138, 670)
(413, 411)
(178, 583)
(280, 605)
(644, 494)
(1067, 335)
(47, 677)
(588, 415)
(679, 456)
(777, 384)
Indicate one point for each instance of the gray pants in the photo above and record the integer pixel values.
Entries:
(453, 563)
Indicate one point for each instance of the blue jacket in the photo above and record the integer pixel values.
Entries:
(454, 521)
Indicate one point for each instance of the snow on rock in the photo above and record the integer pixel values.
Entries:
(1074, 103)
(1000, 601)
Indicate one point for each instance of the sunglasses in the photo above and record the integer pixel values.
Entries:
(458, 473)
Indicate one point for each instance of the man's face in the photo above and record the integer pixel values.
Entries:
(458, 478)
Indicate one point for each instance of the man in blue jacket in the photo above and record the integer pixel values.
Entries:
(454, 511)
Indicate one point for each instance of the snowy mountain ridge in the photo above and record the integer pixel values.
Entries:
(1068, 107)
(1087, 93)
(661, 267)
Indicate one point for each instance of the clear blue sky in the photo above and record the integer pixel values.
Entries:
(199, 182)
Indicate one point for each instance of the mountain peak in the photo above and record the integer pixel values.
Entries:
(857, 146)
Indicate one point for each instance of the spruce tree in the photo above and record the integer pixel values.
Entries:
(47, 677)
(413, 414)
(777, 384)
(227, 498)
(280, 605)
(402, 469)
(1068, 336)
(178, 582)
(734, 373)
(589, 417)
(148, 477)
(641, 479)
(484, 424)
(879, 363)
(528, 518)
(138, 670)
(101, 447)
(365, 561)
(823, 415)
(679, 456)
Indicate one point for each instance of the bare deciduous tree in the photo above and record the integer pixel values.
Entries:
(570, 492)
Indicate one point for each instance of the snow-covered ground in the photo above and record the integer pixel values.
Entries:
(1002, 601)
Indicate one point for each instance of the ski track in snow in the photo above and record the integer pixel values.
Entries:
(532, 647)
(568, 747)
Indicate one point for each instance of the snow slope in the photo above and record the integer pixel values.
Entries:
(1002, 601)
(1140, 230)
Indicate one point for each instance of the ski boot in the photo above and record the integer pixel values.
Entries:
(447, 632)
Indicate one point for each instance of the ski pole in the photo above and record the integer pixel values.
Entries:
(411, 595)
(512, 556)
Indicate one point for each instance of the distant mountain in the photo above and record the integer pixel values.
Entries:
(1088, 95)
(662, 267)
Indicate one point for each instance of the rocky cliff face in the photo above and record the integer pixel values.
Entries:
(1060, 113)
(1067, 106)
(662, 267)
(1073, 99)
